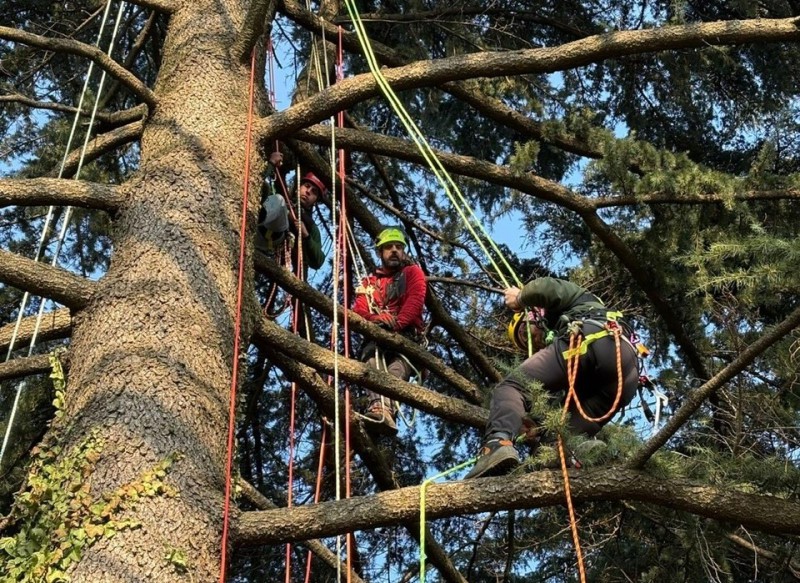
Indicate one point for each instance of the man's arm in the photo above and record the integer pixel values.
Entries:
(312, 247)
(416, 288)
(551, 294)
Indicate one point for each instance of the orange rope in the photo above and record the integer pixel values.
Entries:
(616, 333)
(237, 326)
(572, 374)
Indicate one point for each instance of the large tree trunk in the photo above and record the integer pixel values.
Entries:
(152, 353)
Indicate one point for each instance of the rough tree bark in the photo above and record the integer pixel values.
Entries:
(153, 350)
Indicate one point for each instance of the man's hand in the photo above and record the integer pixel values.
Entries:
(276, 159)
(386, 320)
(512, 299)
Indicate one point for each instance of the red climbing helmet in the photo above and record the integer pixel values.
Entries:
(312, 178)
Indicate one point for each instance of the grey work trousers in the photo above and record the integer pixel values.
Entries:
(395, 365)
(596, 384)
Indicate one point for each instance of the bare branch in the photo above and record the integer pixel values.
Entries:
(258, 14)
(261, 502)
(74, 47)
(697, 397)
(589, 50)
(54, 191)
(270, 334)
(24, 367)
(102, 144)
(45, 280)
(534, 490)
(55, 324)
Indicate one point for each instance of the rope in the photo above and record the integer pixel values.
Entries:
(573, 362)
(49, 218)
(572, 373)
(237, 324)
(422, 528)
(449, 186)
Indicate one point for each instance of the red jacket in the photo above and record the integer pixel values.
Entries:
(401, 293)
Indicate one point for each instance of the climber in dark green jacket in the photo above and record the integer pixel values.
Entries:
(557, 307)
(275, 221)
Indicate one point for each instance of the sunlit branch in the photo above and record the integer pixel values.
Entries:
(259, 13)
(54, 325)
(578, 53)
(533, 490)
(55, 191)
(45, 280)
(270, 334)
(23, 367)
(694, 400)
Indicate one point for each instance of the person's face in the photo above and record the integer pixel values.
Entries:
(309, 195)
(537, 336)
(392, 255)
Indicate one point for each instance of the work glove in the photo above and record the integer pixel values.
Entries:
(386, 320)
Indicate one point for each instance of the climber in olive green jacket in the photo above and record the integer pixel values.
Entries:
(274, 221)
(555, 305)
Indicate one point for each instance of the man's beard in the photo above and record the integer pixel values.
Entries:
(392, 262)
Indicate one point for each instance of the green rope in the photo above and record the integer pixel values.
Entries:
(422, 528)
(427, 152)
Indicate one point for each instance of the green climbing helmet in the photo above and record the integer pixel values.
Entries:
(391, 235)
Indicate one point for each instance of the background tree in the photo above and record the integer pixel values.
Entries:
(647, 150)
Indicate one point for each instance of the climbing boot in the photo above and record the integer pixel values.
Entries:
(497, 457)
(381, 419)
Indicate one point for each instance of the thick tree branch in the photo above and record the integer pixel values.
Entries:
(535, 490)
(492, 108)
(259, 13)
(24, 367)
(697, 397)
(54, 325)
(45, 280)
(54, 191)
(261, 502)
(73, 47)
(100, 145)
(271, 335)
(322, 304)
(582, 52)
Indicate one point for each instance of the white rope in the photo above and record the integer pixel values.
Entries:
(66, 218)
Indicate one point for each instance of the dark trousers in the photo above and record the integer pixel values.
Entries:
(596, 384)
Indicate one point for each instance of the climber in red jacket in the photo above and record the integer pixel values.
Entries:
(392, 297)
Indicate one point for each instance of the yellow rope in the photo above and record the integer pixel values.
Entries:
(449, 186)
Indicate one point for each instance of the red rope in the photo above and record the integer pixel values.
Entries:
(237, 326)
